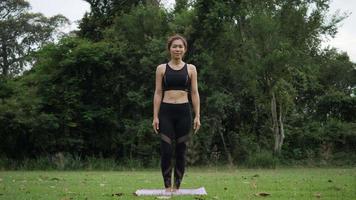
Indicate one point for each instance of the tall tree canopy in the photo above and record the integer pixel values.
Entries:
(21, 33)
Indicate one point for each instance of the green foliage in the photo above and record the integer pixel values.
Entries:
(5, 89)
(103, 13)
(262, 159)
(21, 33)
(335, 104)
(69, 162)
(90, 96)
(319, 141)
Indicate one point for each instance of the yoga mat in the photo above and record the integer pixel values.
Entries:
(162, 192)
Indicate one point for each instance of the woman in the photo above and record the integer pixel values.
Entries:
(171, 114)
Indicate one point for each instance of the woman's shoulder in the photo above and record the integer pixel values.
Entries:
(161, 69)
(191, 67)
(161, 66)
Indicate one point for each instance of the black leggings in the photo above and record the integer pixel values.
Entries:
(174, 126)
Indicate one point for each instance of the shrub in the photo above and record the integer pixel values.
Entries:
(263, 159)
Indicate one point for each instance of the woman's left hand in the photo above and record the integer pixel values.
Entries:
(196, 124)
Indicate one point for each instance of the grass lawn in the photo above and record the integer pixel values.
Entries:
(226, 184)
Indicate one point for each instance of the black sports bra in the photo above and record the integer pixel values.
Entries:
(176, 79)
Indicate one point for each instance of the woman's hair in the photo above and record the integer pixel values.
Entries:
(176, 37)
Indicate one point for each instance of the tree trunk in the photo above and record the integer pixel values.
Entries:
(241, 27)
(281, 129)
(274, 122)
(5, 65)
(278, 127)
(227, 152)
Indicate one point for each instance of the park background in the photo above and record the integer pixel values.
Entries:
(271, 93)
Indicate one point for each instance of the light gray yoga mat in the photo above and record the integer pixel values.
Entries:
(162, 192)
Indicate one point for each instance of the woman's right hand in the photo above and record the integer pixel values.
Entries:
(155, 124)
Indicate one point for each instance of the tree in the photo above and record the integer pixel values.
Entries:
(103, 13)
(21, 33)
(285, 38)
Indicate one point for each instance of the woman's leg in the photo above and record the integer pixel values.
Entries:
(167, 132)
(182, 129)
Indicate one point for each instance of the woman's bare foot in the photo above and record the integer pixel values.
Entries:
(175, 189)
(169, 189)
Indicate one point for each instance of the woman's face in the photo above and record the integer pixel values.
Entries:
(177, 49)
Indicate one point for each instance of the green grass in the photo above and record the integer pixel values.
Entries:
(225, 184)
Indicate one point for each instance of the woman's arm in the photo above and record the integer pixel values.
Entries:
(195, 97)
(157, 97)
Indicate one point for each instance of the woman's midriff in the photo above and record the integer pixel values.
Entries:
(175, 96)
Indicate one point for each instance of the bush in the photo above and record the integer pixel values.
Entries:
(66, 161)
(263, 159)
